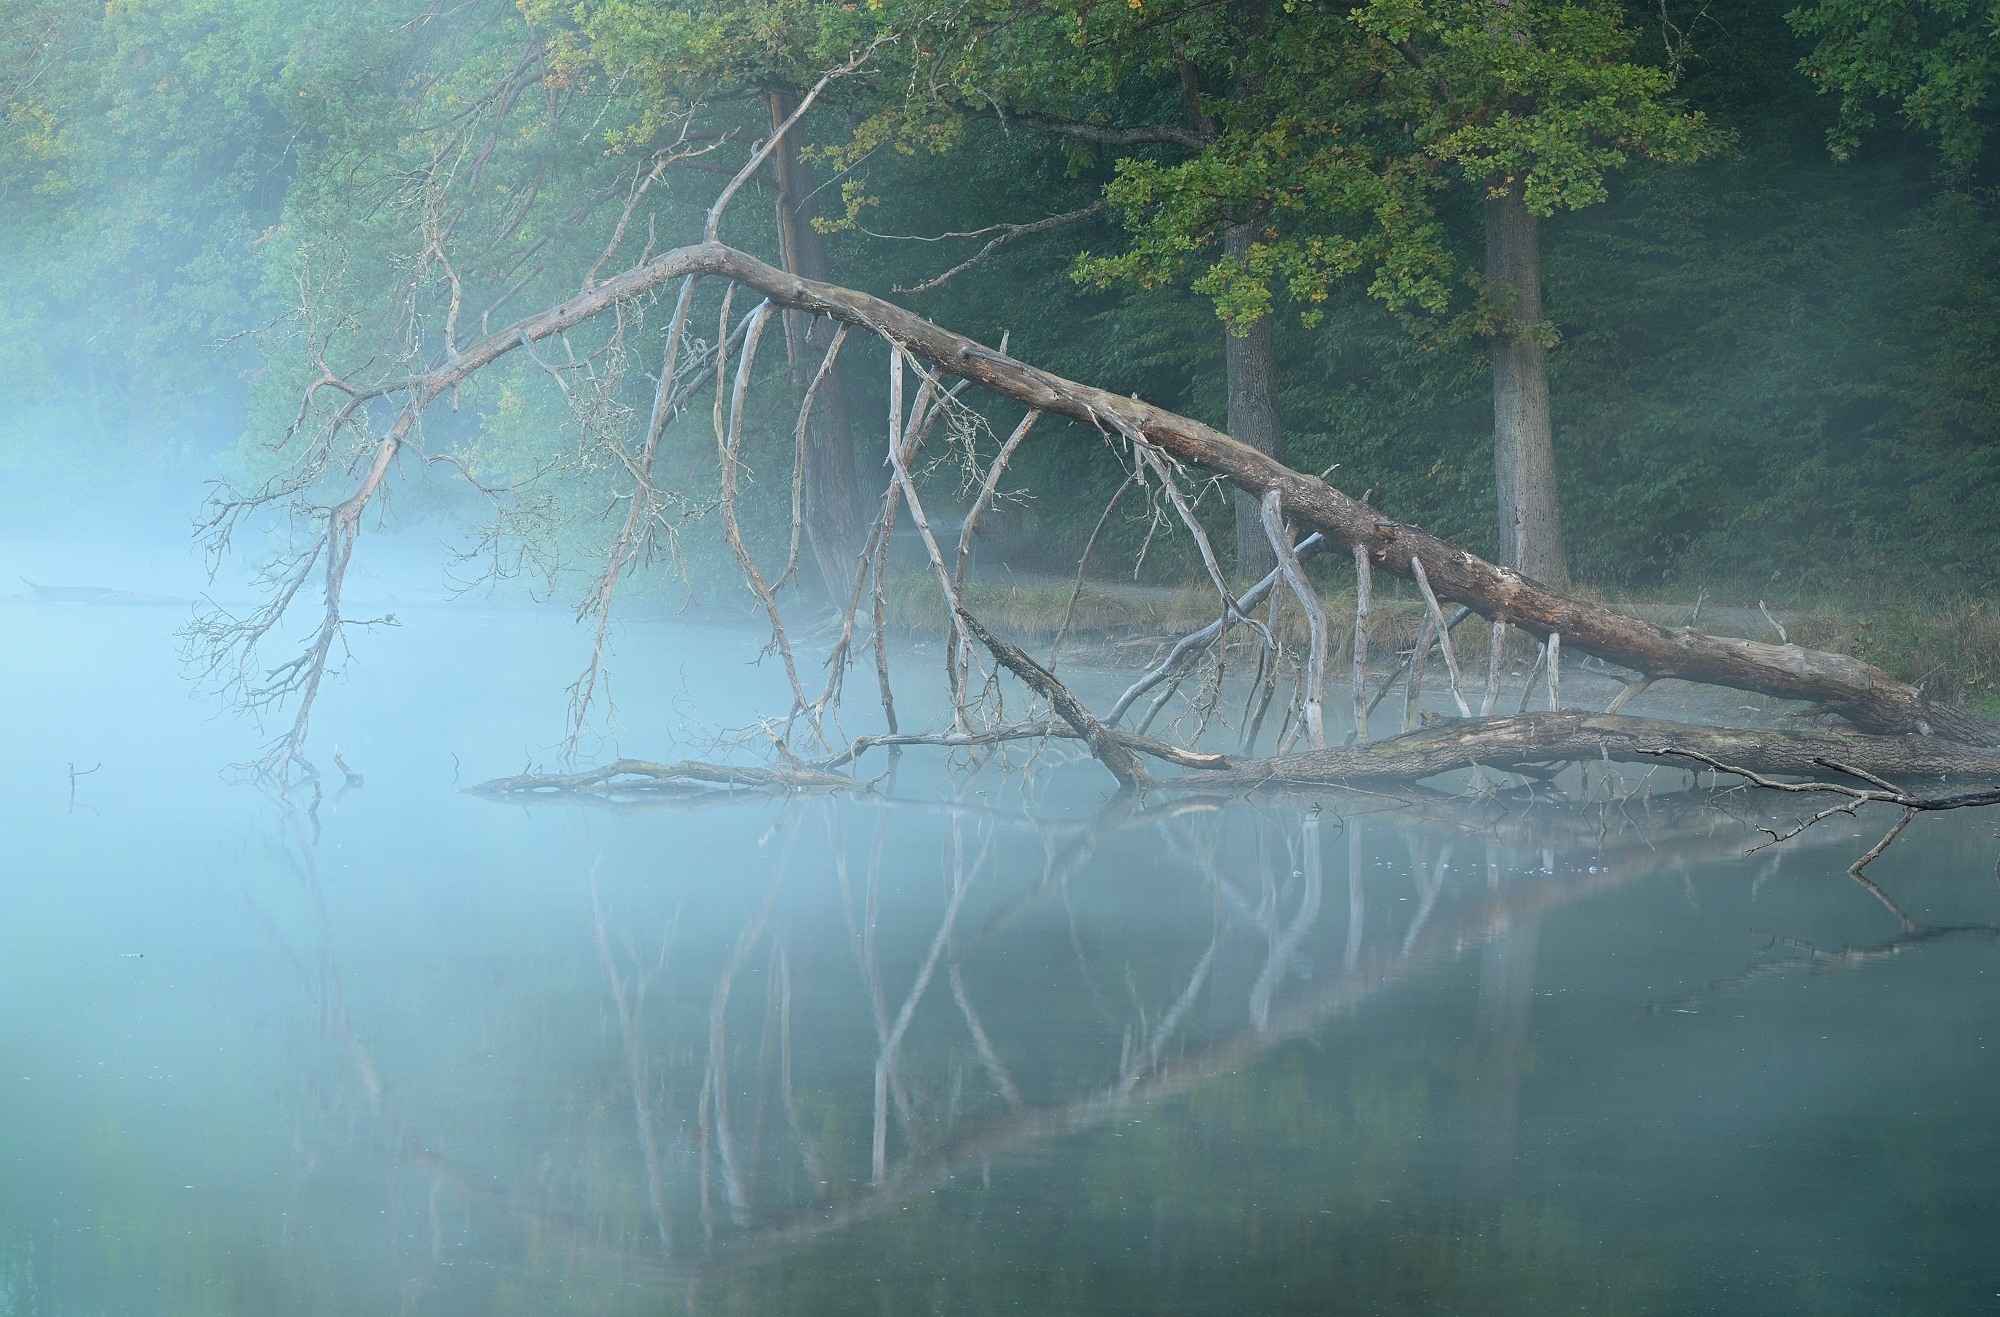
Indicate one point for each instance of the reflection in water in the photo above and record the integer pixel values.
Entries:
(941, 1054)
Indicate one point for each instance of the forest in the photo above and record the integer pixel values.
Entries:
(1084, 656)
(1766, 247)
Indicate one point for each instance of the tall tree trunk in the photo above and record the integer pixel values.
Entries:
(1253, 416)
(1524, 460)
(832, 503)
(1252, 358)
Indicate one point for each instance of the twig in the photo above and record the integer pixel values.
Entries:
(1008, 233)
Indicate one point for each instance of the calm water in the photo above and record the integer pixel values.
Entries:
(969, 1045)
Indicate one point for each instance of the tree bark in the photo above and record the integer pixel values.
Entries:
(1253, 415)
(832, 503)
(1868, 697)
(1251, 356)
(1524, 463)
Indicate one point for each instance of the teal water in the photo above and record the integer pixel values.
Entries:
(968, 1044)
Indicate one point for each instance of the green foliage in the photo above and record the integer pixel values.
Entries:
(1769, 360)
(1935, 60)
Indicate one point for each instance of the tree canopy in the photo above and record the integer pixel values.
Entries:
(1766, 354)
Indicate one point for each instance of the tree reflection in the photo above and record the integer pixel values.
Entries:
(878, 1024)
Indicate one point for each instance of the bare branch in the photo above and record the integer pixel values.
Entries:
(710, 232)
(1295, 577)
(1008, 233)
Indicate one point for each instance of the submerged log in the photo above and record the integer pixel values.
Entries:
(1545, 738)
(632, 775)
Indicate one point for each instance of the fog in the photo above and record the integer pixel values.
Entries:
(1288, 689)
(974, 1040)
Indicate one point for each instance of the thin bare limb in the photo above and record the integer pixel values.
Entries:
(1443, 634)
(1359, 679)
(1105, 748)
(711, 227)
(1493, 671)
(1295, 577)
(1008, 233)
(1082, 565)
(1191, 645)
(730, 464)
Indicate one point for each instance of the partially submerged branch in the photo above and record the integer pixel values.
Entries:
(1883, 792)
(1104, 747)
(640, 775)
(1526, 740)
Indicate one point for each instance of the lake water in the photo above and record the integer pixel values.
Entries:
(967, 1044)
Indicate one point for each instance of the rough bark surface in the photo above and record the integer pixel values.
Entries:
(1866, 696)
(1524, 464)
(832, 502)
(1252, 360)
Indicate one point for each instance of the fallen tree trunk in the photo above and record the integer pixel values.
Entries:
(1868, 697)
(1543, 738)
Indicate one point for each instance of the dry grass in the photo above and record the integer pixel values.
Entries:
(1952, 649)
(1122, 617)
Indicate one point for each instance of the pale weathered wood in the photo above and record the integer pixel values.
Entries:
(1538, 738)
(1865, 695)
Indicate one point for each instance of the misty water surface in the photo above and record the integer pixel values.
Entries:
(963, 1045)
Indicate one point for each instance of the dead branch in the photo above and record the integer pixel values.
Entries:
(799, 462)
(1526, 740)
(1362, 590)
(1008, 233)
(1295, 577)
(1493, 673)
(1866, 696)
(987, 490)
(1105, 748)
(1883, 791)
(731, 447)
(1443, 634)
(1189, 646)
(898, 460)
(628, 775)
(713, 224)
